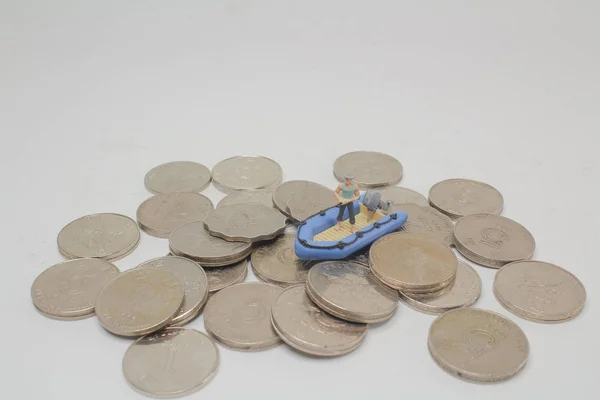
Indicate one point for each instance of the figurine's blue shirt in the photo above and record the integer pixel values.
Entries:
(347, 191)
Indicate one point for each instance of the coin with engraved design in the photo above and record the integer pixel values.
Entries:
(463, 292)
(401, 195)
(68, 290)
(173, 362)
(413, 263)
(275, 262)
(284, 192)
(264, 197)
(176, 177)
(309, 201)
(160, 215)
(427, 221)
(239, 316)
(221, 277)
(459, 197)
(194, 281)
(478, 345)
(194, 242)
(246, 172)
(369, 168)
(106, 236)
(248, 222)
(139, 301)
(539, 291)
(308, 329)
(492, 240)
(351, 292)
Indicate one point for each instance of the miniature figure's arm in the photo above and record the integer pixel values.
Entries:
(356, 193)
(337, 193)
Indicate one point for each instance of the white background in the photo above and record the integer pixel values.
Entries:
(95, 94)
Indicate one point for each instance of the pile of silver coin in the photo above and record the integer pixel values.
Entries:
(320, 309)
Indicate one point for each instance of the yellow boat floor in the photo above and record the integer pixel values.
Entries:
(334, 235)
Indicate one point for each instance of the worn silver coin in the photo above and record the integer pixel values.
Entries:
(264, 197)
(427, 221)
(460, 197)
(539, 291)
(308, 329)
(68, 290)
(492, 240)
(309, 201)
(239, 316)
(351, 292)
(194, 281)
(361, 257)
(139, 301)
(413, 263)
(464, 292)
(193, 241)
(177, 176)
(160, 215)
(478, 345)
(105, 236)
(276, 262)
(246, 172)
(171, 363)
(249, 222)
(222, 277)
(370, 169)
(401, 195)
(284, 191)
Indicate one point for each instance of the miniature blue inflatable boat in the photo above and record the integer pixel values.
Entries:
(318, 237)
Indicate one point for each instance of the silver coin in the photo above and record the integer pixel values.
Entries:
(370, 169)
(171, 363)
(492, 240)
(427, 221)
(245, 222)
(194, 281)
(160, 215)
(193, 241)
(176, 177)
(306, 328)
(105, 236)
(401, 195)
(464, 292)
(351, 292)
(460, 197)
(264, 197)
(478, 345)
(239, 316)
(139, 301)
(276, 262)
(309, 201)
(68, 290)
(222, 277)
(539, 291)
(246, 172)
(283, 193)
(412, 262)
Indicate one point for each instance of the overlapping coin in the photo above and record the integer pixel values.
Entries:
(193, 241)
(427, 221)
(401, 195)
(139, 301)
(308, 329)
(351, 292)
(68, 290)
(106, 236)
(221, 277)
(194, 281)
(177, 176)
(459, 197)
(413, 263)
(275, 262)
(249, 222)
(239, 316)
(492, 240)
(539, 291)
(245, 173)
(478, 345)
(463, 292)
(370, 169)
(309, 201)
(264, 197)
(284, 192)
(160, 215)
(171, 363)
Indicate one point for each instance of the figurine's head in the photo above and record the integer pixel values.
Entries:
(348, 179)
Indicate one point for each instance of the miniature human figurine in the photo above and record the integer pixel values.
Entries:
(347, 192)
